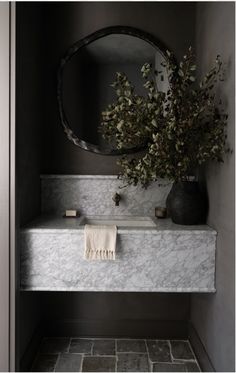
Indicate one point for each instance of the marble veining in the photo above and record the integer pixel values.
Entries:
(92, 195)
(168, 258)
(162, 258)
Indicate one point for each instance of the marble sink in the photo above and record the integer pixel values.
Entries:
(164, 257)
(119, 221)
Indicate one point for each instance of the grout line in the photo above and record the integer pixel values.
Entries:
(81, 364)
(145, 342)
(45, 337)
(193, 361)
(92, 347)
(151, 366)
(196, 360)
(99, 356)
(116, 365)
(94, 338)
(58, 357)
(172, 358)
(132, 352)
(149, 360)
(50, 353)
(69, 345)
(183, 360)
(116, 353)
(105, 338)
(198, 366)
(164, 362)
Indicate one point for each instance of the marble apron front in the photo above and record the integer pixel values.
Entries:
(167, 258)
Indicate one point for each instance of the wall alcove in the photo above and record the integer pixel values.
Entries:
(42, 148)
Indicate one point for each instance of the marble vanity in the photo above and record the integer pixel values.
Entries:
(158, 256)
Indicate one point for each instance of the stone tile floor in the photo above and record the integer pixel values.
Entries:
(114, 355)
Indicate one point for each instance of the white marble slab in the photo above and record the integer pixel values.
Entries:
(56, 224)
(168, 258)
(92, 195)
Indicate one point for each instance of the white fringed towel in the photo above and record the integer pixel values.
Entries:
(100, 242)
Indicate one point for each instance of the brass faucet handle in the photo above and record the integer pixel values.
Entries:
(116, 198)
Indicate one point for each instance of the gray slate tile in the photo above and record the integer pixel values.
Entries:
(192, 366)
(131, 345)
(69, 363)
(181, 350)
(132, 362)
(81, 346)
(44, 363)
(168, 367)
(99, 364)
(104, 347)
(159, 351)
(54, 345)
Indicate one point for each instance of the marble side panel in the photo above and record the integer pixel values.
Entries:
(161, 262)
(92, 195)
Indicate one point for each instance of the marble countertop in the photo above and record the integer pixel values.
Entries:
(52, 224)
(165, 258)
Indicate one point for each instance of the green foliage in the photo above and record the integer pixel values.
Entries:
(183, 127)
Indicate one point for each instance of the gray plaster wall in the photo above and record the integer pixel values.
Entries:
(213, 315)
(65, 23)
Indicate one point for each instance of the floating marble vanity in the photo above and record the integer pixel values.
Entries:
(165, 258)
(152, 255)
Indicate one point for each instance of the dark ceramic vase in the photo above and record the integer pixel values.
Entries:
(186, 204)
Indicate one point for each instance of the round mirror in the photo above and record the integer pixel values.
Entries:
(85, 76)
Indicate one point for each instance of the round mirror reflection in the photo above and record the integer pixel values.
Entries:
(85, 77)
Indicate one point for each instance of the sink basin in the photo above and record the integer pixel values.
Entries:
(120, 221)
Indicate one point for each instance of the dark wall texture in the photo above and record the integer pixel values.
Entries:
(110, 314)
(29, 113)
(213, 315)
(29, 119)
(64, 24)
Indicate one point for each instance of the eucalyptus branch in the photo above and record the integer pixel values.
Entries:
(183, 127)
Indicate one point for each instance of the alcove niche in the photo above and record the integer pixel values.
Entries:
(44, 32)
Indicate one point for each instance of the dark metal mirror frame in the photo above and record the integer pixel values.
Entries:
(70, 53)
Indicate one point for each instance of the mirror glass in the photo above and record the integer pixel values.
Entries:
(85, 81)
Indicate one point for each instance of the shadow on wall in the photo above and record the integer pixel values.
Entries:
(214, 316)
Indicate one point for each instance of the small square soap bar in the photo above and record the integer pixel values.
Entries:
(160, 212)
(71, 213)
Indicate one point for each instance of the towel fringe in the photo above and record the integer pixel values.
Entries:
(100, 254)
